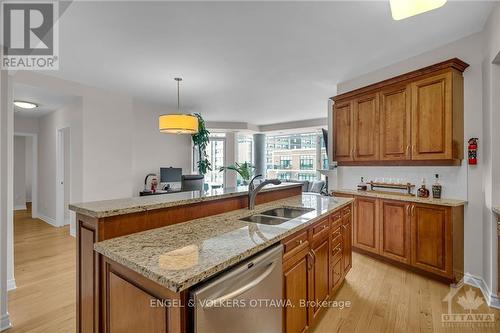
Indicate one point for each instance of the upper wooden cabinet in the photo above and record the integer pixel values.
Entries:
(395, 123)
(365, 128)
(412, 119)
(343, 135)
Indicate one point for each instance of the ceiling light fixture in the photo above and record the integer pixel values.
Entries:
(178, 123)
(402, 9)
(25, 105)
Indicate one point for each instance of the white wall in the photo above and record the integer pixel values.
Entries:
(67, 117)
(491, 117)
(458, 182)
(19, 172)
(152, 149)
(6, 133)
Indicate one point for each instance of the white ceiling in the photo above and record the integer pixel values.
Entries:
(257, 62)
(46, 99)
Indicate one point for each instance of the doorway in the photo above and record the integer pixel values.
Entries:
(63, 170)
(27, 192)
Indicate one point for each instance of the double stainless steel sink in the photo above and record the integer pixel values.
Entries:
(277, 215)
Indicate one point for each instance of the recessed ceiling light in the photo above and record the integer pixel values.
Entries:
(25, 105)
(402, 9)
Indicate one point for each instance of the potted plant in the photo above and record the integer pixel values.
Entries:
(201, 140)
(245, 170)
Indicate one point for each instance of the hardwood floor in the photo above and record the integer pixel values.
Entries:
(44, 260)
(383, 298)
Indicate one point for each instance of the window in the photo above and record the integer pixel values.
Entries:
(216, 156)
(244, 152)
(285, 162)
(306, 162)
(307, 176)
(295, 156)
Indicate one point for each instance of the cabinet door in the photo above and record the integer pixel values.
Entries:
(366, 224)
(395, 230)
(431, 239)
(320, 286)
(395, 124)
(347, 242)
(366, 138)
(296, 287)
(343, 145)
(431, 109)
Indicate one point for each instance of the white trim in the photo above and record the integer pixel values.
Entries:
(49, 220)
(61, 159)
(20, 207)
(5, 322)
(11, 284)
(491, 299)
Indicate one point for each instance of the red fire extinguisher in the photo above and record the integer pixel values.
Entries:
(472, 151)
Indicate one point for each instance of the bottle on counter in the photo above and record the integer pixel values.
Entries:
(436, 188)
(362, 186)
(423, 192)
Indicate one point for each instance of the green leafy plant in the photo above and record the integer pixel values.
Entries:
(201, 141)
(245, 170)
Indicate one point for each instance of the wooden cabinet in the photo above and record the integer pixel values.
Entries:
(426, 238)
(366, 225)
(320, 276)
(365, 129)
(346, 241)
(395, 230)
(412, 119)
(296, 279)
(313, 269)
(343, 132)
(431, 239)
(395, 123)
(432, 118)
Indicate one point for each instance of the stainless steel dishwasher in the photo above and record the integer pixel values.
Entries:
(244, 299)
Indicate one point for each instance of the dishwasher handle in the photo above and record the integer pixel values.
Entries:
(242, 289)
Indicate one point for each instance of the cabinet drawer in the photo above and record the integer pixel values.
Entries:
(320, 229)
(336, 252)
(336, 237)
(346, 211)
(295, 242)
(337, 273)
(336, 219)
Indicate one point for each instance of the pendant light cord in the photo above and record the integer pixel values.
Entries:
(178, 79)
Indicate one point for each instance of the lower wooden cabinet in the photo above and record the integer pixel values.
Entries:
(431, 239)
(296, 279)
(366, 225)
(314, 268)
(395, 230)
(428, 238)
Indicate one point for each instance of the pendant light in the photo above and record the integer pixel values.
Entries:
(178, 123)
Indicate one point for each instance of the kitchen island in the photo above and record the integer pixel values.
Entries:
(166, 263)
(101, 220)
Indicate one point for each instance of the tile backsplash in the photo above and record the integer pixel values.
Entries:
(453, 179)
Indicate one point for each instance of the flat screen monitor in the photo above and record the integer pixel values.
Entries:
(170, 175)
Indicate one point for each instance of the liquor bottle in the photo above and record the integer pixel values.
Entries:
(362, 186)
(436, 188)
(423, 192)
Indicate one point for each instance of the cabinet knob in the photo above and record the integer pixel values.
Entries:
(299, 241)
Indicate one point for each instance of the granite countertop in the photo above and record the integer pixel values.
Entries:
(106, 208)
(182, 255)
(397, 196)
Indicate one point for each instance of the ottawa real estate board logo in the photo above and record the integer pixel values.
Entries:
(30, 35)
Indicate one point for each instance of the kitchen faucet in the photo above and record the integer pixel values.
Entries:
(252, 190)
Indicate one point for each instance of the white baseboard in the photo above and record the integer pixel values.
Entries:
(20, 207)
(478, 282)
(5, 322)
(48, 220)
(11, 284)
